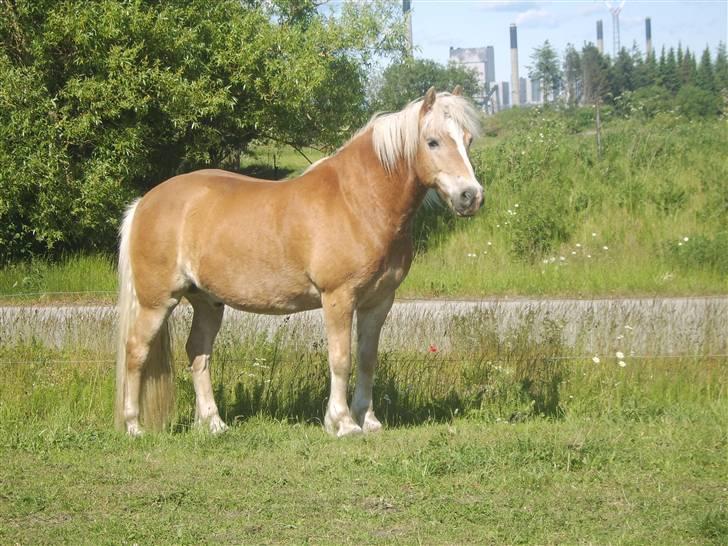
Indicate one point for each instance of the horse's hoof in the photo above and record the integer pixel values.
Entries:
(217, 425)
(348, 429)
(371, 424)
(133, 430)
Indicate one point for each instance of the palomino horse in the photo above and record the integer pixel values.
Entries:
(338, 237)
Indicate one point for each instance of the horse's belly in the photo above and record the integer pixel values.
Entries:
(267, 294)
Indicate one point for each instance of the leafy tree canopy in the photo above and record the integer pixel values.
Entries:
(402, 82)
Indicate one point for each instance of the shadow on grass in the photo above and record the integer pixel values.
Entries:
(409, 390)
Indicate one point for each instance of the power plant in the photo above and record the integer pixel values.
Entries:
(518, 91)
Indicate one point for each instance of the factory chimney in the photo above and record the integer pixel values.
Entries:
(600, 37)
(648, 36)
(515, 82)
(406, 9)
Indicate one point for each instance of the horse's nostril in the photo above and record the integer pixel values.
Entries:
(467, 196)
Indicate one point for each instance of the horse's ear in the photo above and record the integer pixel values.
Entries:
(458, 91)
(428, 101)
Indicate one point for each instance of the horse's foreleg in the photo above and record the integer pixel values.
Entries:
(205, 325)
(338, 313)
(369, 325)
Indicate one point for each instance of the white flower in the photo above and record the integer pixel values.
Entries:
(573, 252)
(619, 355)
(471, 255)
(516, 205)
(489, 243)
(595, 359)
(628, 327)
(594, 234)
(620, 336)
(679, 244)
(686, 239)
(588, 255)
(545, 260)
(605, 247)
(578, 245)
(622, 364)
(561, 258)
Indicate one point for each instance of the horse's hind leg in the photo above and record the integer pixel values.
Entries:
(145, 328)
(206, 322)
(369, 323)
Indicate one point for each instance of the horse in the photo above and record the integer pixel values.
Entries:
(338, 237)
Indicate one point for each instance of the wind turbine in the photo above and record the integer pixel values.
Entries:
(615, 10)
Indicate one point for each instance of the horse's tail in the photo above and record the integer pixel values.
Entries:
(157, 387)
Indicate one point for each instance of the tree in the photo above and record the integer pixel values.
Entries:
(621, 74)
(720, 68)
(101, 100)
(704, 78)
(401, 82)
(545, 68)
(669, 72)
(572, 75)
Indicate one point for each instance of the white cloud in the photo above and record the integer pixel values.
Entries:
(536, 18)
(507, 5)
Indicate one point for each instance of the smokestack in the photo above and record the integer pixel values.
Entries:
(600, 37)
(515, 83)
(406, 9)
(648, 36)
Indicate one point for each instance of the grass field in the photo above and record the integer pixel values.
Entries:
(502, 443)
(649, 217)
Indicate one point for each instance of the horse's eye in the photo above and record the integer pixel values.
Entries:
(432, 143)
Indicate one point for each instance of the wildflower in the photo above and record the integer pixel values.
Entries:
(516, 205)
(594, 234)
(545, 260)
(605, 247)
(622, 364)
(588, 255)
(573, 252)
(596, 359)
(561, 258)
(489, 243)
(578, 245)
(619, 355)
(686, 239)
(432, 348)
(679, 244)
(628, 327)
(472, 255)
(620, 336)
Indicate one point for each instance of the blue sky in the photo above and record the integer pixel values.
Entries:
(439, 24)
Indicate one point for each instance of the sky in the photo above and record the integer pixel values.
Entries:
(439, 24)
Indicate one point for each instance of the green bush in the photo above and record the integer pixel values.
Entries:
(700, 251)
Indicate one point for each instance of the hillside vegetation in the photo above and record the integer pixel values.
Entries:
(650, 216)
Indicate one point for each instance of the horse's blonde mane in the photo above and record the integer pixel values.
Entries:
(395, 135)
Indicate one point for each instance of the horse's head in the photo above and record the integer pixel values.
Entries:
(446, 127)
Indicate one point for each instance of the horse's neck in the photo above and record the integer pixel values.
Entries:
(388, 199)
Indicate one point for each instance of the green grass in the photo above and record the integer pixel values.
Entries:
(502, 443)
